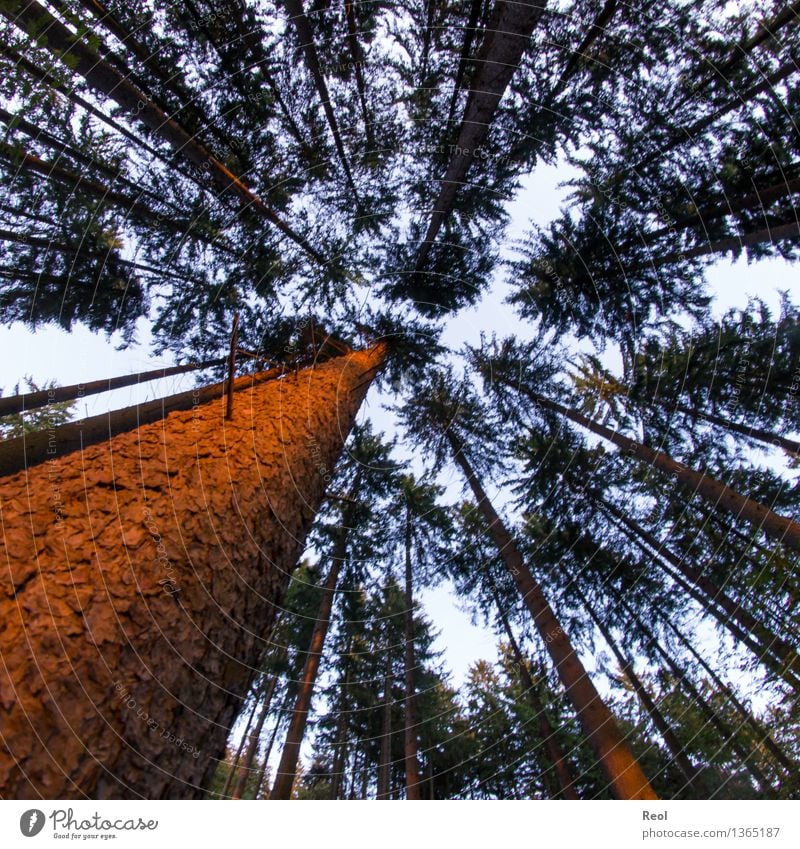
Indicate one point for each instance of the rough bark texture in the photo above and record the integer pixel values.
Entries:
(625, 776)
(140, 578)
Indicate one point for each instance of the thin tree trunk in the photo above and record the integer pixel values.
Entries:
(385, 764)
(784, 530)
(688, 770)
(246, 768)
(506, 38)
(305, 38)
(234, 767)
(287, 768)
(181, 527)
(791, 446)
(561, 768)
(61, 247)
(768, 642)
(342, 721)
(411, 742)
(724, 730)
(109, 82)
(762, 733)
(625, 776)
(273, 735)
(775, 233)
(357, 55)
(463, 59)
(736, 631)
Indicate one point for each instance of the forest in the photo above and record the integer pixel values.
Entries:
(395, 384)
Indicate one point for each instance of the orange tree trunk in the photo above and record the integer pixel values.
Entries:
(625, 776)
(141, 576)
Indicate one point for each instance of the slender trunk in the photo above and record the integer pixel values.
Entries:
(234, 767)
(725, 206)
(775, 233)
(688, 770)
(770, 644)
(109, 82)
(80, 251)
(736, 631)
(506, 38)
(246, 768)
(625, 776)
(342, 722)
(784, 530)
(724, 730)
(305, 38)
(33, 400)
(561, 768)
(357, 55)
(287, 768)
(260, 794)
(762, 733)
(180, 527)
(463, 59)
(791, 446)
(385, 764)
(411, 742)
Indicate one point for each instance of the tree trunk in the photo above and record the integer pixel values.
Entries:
(688, 770)
(790, 446)
(736, 631)
(357, 55)
(625, 776)
(727, 734)
(762, 733)
(506, 38)
(234, 767)
(305, 38)
(142, 576)
(385, 764)
(788, 230)
(784, 530)
(769, 644)
(265, 763)
(255, 738)
(411, 743)
(106, 80)
(287, 768)
(561, 768)
(340, 757)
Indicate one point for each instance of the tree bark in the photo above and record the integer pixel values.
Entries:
(305, 38)
(790, 446)
(142, 576)
(625, 776)
(410, 738)
(724, 730)
(385, 764)
(784, 530)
